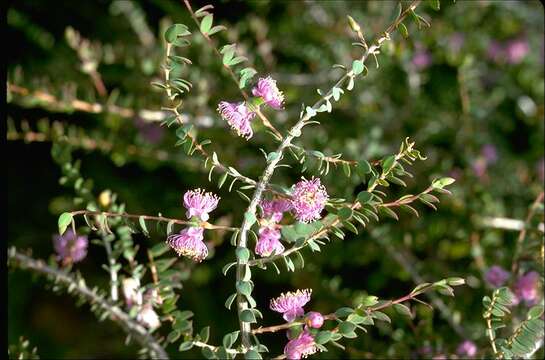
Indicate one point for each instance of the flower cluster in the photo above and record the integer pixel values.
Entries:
(269, 236)
(290, 305)
(496, 276)
(467, 349)
(70, 247)
(308, 199)
(189, 242)
(526, 288)
(239, 115)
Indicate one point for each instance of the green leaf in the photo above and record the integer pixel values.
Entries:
(243, 254)
(247, 316)
(403, 30)
(381, 316)
(64, 220)
(244, 287)
(208, 353)
(441, 183)
(206, 23)
(172, 33)
(369, 301)
(186, 345)
(346, 327)
(357, 67)
(344, 311)
(250, 218)
(142, 223)
(205, 334)
(322, 337)
(388, 164)
(229, 339)
(403, 310)
(345, 213)
(455, 281)
(364, 167)
(535, 312)
(252, 355)
(230, 300)
(159, 249)
(364, 197)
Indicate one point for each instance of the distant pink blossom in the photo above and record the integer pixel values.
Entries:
(496, 276)
(238, 116)
(526, 288)
(516, 50)
(467, 349)
(70, 247)
(456, 41)
(421, 60)
(490, 153)
(266, 88)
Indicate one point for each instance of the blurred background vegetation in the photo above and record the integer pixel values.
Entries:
(469, 91)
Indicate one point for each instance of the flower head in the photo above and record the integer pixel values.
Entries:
(490, 153)
(268, 242)
(274, 209)
(308, 199)
(189, 242)
(526, 288)
(315, 319)
(131, 291)
(516, 50)
(291, 304)
(198, 203)
(238, 116)
(467, 349)
(266, 88)
(496, 276)
(300, 347)
(148, 317)
(70, 247)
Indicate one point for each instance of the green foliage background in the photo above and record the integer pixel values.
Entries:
(297, 43)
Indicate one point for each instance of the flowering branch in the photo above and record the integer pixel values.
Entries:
(263, 118)
(203, 224)
(295, 131)
(333, 316)
(140, 333)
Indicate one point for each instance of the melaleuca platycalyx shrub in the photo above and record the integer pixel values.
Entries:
(279, 223)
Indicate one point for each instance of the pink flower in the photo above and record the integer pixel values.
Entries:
(269, 242)
(526, 288)
(540, 166)
(274, 209)
(238, 117)
(198, 203)
(70, 247)
(467, 349)
(516, 50)
(290, 304)
(490, 153)
(266, 88)
(308, 199)
(315, 319)
(189, 243)
(300, 347)
(496, 276)
(495, 51)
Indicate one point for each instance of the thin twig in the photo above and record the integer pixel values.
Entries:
(116, 314)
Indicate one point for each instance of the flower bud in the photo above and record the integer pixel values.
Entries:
(315, 319)
(353, 24)
(105, 198)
